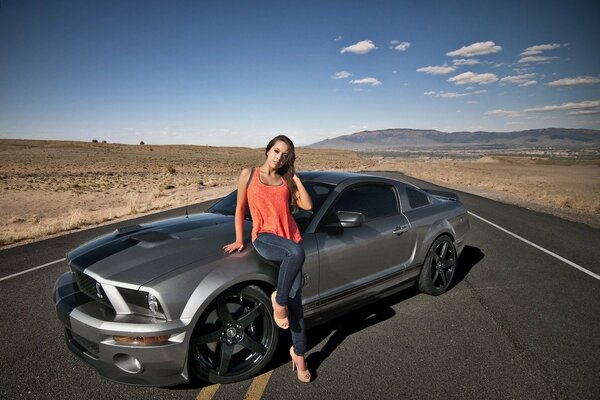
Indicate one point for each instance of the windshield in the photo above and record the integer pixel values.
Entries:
(318, 193)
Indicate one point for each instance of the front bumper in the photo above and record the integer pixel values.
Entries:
(89, 330)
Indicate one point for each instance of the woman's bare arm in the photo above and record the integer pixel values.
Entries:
(240, 212)
(302, 197)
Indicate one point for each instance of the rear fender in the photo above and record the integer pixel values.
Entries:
(437, 229)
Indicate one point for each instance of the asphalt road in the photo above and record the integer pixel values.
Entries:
(519, 323)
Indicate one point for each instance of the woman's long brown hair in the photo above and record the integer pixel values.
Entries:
(287, 170)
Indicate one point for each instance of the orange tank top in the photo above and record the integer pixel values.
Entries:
(269, 207)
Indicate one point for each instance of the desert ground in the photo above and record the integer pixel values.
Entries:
(52, 187)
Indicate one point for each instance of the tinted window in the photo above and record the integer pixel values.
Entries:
(416, 198)
(371, 200)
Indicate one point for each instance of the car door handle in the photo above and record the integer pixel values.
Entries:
(400, 230)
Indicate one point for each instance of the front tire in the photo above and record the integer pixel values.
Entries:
(439, 267)
(235, 337)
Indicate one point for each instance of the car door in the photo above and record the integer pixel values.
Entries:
(366, 256)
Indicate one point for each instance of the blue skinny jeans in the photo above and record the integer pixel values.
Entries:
(289, 283)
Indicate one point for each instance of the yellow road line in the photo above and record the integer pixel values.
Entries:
(208, 392)
(258, 386)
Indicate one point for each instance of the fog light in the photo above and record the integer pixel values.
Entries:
(142, 340)
(128, 363)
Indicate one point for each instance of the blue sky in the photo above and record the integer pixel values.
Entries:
(236, 73)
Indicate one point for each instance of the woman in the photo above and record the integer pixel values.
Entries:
(272, 190)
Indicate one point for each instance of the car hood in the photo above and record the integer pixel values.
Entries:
(137, 254)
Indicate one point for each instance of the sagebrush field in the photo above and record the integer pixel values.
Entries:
(51, 187)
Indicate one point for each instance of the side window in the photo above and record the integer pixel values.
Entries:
(416, 198)
(373, 201)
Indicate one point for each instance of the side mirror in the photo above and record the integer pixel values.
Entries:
(350, 219)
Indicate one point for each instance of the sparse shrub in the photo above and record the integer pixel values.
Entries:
(74, 221)
(104, 141)
(566, 203)
(157, 192)
(142, 143)
(94, 140)
(171, 169)
(132, 203)
(168, 187)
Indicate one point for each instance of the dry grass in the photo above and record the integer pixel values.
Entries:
(50, 187)
(567, 188)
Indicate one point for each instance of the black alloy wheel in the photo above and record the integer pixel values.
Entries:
(439, 267)
(235, 337)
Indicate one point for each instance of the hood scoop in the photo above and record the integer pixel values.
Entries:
(150, 239)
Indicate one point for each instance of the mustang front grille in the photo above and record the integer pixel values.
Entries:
(92, 288)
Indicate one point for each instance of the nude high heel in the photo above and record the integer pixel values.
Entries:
(283, 323)
(303, 375)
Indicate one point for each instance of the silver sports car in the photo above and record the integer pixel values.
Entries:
(152, 304)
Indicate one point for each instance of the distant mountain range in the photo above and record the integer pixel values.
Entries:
(396, 139)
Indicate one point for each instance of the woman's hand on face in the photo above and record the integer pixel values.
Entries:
(235, 246)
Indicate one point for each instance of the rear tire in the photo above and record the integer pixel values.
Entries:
(439, 267)
(235, 337)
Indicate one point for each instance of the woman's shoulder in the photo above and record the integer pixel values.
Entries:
(246, 174)
(246, 171)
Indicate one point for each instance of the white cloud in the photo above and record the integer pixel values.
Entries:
(538, 49)
(440, 70)
(504, 113)
(521, 80)
(535, 59)
(476, 49)
(573, 107)
(446, 95)
(452, 95)
(473, 78)
(528, 83)
(585, 112)
(362, 47)
(400, 46)
(465, 61)
(366, 81)
(341, 75)
(582, 108)
(480, 91)
(337, 39)
(575, 81)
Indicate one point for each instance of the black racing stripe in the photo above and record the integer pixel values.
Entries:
(86, 258)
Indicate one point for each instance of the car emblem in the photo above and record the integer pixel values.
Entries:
(99, 290)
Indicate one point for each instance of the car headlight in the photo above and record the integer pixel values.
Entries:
(143, 303)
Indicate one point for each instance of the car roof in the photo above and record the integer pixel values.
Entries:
(331, 177)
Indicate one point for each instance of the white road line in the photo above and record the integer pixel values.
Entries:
(571, 263)
(32, 269)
